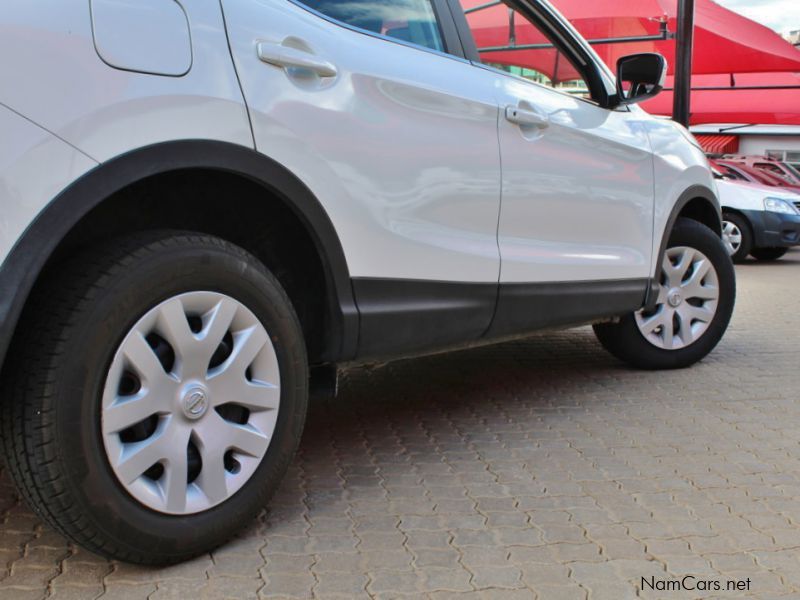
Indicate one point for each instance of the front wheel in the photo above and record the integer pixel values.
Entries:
(157, 396)
(736, 236)
(767, 254)
(694, 305)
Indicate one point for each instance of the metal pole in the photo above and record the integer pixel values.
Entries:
(683, 62)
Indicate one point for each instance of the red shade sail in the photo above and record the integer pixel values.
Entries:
(763, 98)
(724, 41)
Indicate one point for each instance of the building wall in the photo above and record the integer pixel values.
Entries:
(763, 144)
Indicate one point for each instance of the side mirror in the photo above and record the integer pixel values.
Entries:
(639, 77)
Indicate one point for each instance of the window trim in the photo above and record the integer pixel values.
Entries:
(444, 20)
(563, 39)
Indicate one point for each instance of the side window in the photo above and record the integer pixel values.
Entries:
(408, 20)
(508, 41)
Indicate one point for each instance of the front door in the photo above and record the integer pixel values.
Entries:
(577, 178)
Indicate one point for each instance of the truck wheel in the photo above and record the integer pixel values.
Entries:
(694, 305)
(156, 396)
(764, 254)
(737, 236)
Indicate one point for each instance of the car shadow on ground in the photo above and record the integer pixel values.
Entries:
(420, 409)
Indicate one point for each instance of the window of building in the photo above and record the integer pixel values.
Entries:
(792, 158)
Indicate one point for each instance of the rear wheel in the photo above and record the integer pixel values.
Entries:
(736, 236)
(694, 305)
(766, 254)
(158, 397)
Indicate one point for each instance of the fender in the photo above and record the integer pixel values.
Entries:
(24, 263)
(694, 192)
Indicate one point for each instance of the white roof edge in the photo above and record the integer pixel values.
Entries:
(745, 129)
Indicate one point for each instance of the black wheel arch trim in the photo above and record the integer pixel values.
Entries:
(695, 192)
(32, 250)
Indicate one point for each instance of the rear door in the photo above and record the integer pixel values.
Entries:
(372, 105)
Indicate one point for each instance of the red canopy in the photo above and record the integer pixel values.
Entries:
(738, 98)
(724, 41)
(718, 144)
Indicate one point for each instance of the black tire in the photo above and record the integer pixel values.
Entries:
(53, 384)
(747, 236)
(767, 254)
(623, 338)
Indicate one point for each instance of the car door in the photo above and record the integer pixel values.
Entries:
(372, 106)
(576, 223)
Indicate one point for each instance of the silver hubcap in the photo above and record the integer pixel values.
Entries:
(190, 403)
(687, 300)
(731, 236)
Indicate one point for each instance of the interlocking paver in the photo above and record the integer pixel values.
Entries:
(537, 468)
(72, 592)
(127, 591)
(236, 565)
(493, 577)
(296, 585)
(348, 585)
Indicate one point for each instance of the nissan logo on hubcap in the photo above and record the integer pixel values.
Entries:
(195, 403)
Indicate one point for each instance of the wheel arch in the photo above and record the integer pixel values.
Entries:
(63, 216)
(698, 203)
(739, 213)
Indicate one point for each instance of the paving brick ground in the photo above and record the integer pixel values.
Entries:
(534, 469)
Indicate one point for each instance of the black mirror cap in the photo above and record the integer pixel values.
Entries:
(645, 72)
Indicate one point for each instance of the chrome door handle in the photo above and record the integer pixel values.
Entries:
(285, 56)
(525, 118)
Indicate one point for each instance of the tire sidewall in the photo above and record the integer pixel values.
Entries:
(99, 325)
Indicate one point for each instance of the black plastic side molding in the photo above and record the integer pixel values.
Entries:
(404, 316)
(408, 316)
(527, 307)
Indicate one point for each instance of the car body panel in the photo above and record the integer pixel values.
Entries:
(608, 223)
(743, 195)
(105, 111)
(24, 186)
(679, 165)
(117, 27)
(578, 195)
(773, 230)
(400, 146)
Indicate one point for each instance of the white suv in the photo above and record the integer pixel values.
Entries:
(209, 206)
